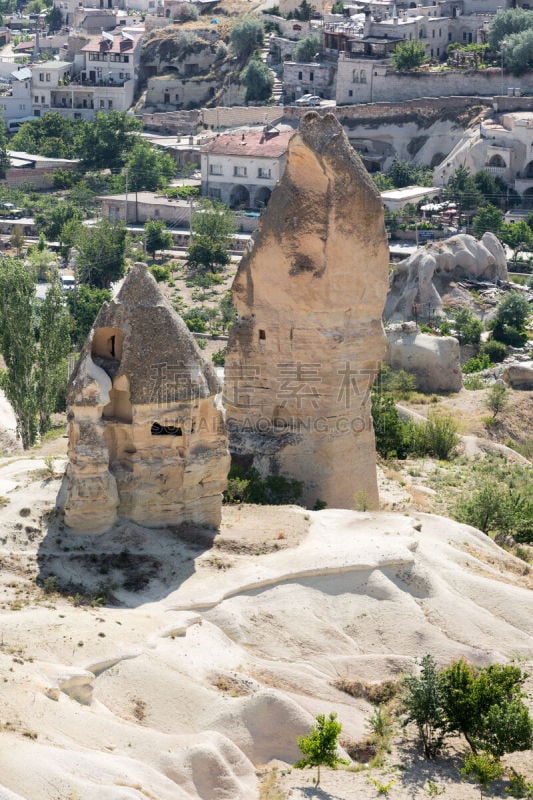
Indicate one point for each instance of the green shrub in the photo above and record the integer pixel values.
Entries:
(196, 324)
(436, 437)
(467, 327)
(495, 350)
(498, 508)
(160, 273)
(249, 487)
(508, 334)
(482, 767)
(218, 358)
(477, 363)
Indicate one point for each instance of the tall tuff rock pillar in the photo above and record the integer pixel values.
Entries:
(308, 339)
(146, 436)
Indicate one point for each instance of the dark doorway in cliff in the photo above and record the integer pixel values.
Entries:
(165, 430)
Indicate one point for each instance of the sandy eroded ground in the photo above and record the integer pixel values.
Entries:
(176, 664)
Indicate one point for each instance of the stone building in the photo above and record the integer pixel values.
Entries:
(308, 339)
(241, 169)
(146, 437)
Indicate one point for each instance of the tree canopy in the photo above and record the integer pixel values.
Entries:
(306, 49)
(409, 55)
(148, 169)
(246, 36)
(258, 80)
(319, 747)
(101, 253)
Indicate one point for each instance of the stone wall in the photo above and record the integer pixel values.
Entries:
(385, 85)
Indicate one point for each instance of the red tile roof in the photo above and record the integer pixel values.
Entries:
(101, 44)
(270, 145)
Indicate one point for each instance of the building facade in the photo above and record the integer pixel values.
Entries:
(241, 169)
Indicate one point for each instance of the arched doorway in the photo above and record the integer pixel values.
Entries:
(497, 161)
(528, 172)
(239, 197)
(262, 197)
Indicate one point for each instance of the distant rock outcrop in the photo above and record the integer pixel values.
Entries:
(308, 339)
(418, 282)
(146, 440)
(435, 361)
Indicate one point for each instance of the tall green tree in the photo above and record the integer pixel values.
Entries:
(106, 141)
(319, 747)
(212, 226)
(54, 347)
(246, 36)
(84, 304)
(18, 346)
(258, 79)
(306, 49)
(156, 236)
(423, 704)
(518, 236)
(409, 55)
(463, 191)
(4, 158)
(101, 253)
(488, 218)
(148, 168)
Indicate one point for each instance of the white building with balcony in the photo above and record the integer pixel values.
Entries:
(101, 78)
(241, 169)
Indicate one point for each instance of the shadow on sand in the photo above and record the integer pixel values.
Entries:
(126, 566)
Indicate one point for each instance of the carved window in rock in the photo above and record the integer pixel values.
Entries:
(262, 336)
(497, 161)
(158, 429)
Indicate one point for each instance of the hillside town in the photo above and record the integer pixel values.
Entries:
(266, 399)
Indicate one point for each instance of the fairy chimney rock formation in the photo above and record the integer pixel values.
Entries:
(146, 438)
(308, 339)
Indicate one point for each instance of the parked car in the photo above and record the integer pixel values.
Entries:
(9, 211)
(309, 100)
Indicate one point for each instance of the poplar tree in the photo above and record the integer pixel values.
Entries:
(18, 346)
(35, 370)
(54, 346)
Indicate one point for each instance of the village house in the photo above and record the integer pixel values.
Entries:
(102, 77)
(241, 169)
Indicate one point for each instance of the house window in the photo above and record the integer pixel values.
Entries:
(215, 194)
(311, 76)
(362, 77)
(102, 103)
(438, 51)
(262, 172)
(240, 172)
(42, 99)
(464, 36)
(215, 169)
(350, 93)
(449, 37)
(110, 104)
(47, 77)
(355, 76)
(300, 76)
(36, 99)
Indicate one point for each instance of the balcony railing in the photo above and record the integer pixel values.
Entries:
(499, 171)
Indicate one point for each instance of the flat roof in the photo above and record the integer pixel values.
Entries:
(52, 65)
(408, 191)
